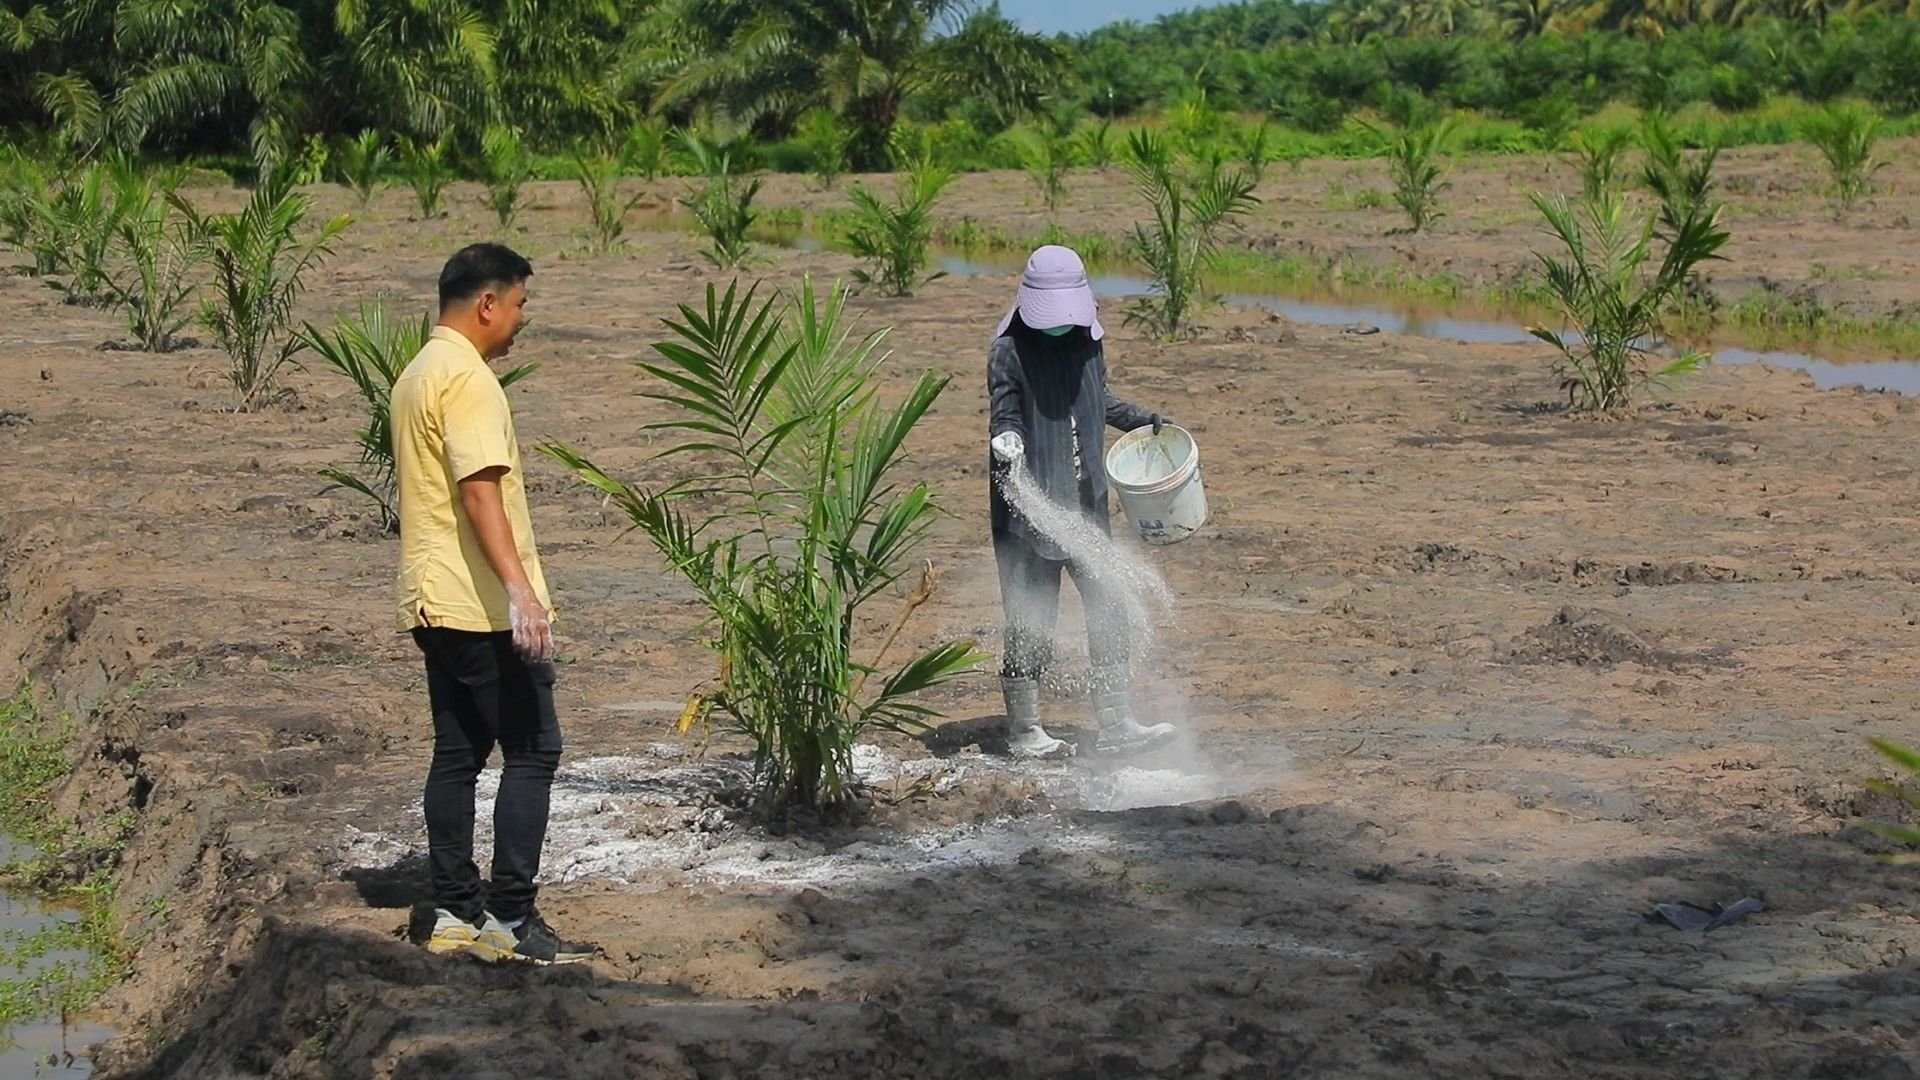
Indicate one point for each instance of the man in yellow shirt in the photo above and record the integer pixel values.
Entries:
(472, 595)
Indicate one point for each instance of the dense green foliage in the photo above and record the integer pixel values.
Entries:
(1310, 65)
(347, 88)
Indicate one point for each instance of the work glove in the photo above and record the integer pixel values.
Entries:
(1009, 447)
(1160, 422)
(532, 630)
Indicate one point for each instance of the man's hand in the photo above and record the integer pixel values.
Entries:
(532, 631)
(1009, 447)
(1160, 421)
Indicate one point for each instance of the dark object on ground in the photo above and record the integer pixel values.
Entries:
(1685, 916)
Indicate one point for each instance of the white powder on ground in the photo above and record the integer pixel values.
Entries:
(657, 820)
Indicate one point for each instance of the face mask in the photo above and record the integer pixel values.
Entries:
(1056, 331)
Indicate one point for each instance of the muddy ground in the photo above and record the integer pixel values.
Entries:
(1470, 686)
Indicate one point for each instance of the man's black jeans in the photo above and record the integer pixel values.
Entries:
(483, 693)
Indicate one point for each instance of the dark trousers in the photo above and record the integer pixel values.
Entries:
(483, 694)
(1030, 598)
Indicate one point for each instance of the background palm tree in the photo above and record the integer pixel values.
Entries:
(761, 64)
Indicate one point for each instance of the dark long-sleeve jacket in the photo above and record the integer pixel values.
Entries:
(1053, 391)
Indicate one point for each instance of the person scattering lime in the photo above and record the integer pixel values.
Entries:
(1048, 403)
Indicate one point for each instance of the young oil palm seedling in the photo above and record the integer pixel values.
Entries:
(162, 249)
(259, 271)
(1604, 293)
(895, 238)
(371, 351)
(78, 224)
(425, 166)
(825, 141)
(360, 162)
(24, 184)
(1046, 155)
(506, 166)
(1197, 128)
(1097, 145)
(1598, 156)
(723, 204)
(1413, 161)
(796, 524)
(1178, 244)
(1907, 792)
(645, 150)
(1845, 136)
(1256, 149)
(1683, 183)
(607, 207)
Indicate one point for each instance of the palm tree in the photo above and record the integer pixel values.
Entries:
(1522, 19)
(762, 63)
(199, 59)
(422, 67)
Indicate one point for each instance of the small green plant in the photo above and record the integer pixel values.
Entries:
(1597, 154)
(1097, 144)
(425, 166)
(506, 166)
(1907, 792)
(645, 151)
(77, 226)
(70, 869)
(1845, 136)
(311, 164)
(723, 205)
(360, 162)
(1682, 183)
(1552, 119)
(259, 270)
(1046, 156)
(1339, 197)
(825, 141)
(795, 524)
(24, 182)
(1413, 161)
(607, 208)
(895, 238)
(371, 351)
(1256, 150)
(162, 251)
(1602, 291)
(1180, 242)
(33, 757)
(1196, 128)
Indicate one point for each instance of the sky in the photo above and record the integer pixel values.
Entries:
(1074, 16)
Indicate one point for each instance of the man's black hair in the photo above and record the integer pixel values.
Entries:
(478, 267)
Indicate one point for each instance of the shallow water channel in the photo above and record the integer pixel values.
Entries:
(40, 1049)
(1434, 321)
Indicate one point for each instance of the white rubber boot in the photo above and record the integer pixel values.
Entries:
(1026, 739)
(1120, 733)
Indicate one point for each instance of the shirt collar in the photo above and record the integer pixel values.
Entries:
(455, 337)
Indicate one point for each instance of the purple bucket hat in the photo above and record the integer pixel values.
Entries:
(1054, 292)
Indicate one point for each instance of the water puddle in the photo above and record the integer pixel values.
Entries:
(1901, 376)
(40, 1049)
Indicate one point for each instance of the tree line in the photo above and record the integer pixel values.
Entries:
(263, 80)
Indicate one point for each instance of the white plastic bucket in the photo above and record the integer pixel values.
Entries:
(1158, 479)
